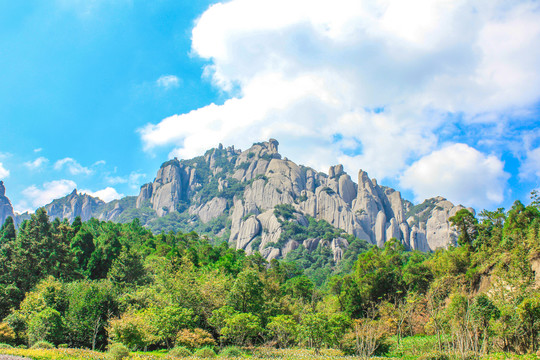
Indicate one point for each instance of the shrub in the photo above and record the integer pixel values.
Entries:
(46, 325)
(231, 351)
(63, 346)
(367, 338)
(43, 345)
(435, 355)
(7, 335)
(195, 338)
(132, 330)
(205, 352)
(118, 351)
(5, 346)
(180, 351)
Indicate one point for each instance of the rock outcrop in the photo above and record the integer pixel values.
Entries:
(73, 205)
(241, 189)
(6, 209)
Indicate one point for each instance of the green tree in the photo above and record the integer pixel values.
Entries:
(529, 314)
(247, 292)
(91, 305)
(467, 225)
(283, 330)
(128, 268)
(46, 325)
(241, 329)
(482, 312)
(314, 330)
(7, 231)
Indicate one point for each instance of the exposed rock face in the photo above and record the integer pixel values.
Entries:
(248, 230)
(431, 228)
(211, 210)
(246, 186)
(73, 205)
(6, 209)
(367, 210)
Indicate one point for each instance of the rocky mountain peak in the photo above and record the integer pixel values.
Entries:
(235, 194)
(6, 209)
(335, 171)
(73, 205)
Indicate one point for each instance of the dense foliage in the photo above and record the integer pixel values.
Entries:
(91, 284)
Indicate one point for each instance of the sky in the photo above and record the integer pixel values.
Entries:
(431, 97)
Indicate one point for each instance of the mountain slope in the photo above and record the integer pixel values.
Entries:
(258, 201)
(6, 209)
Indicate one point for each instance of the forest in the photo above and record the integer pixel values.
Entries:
(118, 291)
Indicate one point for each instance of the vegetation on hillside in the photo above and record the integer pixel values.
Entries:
(92, 284)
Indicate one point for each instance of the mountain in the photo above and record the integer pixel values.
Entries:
(6, 209)
(257, 200)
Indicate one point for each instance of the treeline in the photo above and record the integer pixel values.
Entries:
(95, 283)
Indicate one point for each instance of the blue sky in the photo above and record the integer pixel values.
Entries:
(430, 97)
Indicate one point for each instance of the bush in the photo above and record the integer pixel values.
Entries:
(205, 352)
(43, 345)
(63, 346)
(46, 325)
(5, 346)
(231, 351)
(195, 338)
(7, 335)
(180, 351)
(435, 355)
(118, 351)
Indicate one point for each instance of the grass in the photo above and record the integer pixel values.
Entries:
(410, 348)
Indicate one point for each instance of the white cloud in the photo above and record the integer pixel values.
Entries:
(107, 194)
(113, 180)
(134, 179)
(72, 166)
(530, 168)
(38, 150)
(305, 71)
(4, 173)
(37, 163)
(48, 192)
(460, 173)
(168, 81)
(99, 162)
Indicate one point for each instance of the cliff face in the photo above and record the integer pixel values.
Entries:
(262, 179)
(233, 195)
(73, 205)
(6, 209)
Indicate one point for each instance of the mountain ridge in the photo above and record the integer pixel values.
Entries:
(233, 195)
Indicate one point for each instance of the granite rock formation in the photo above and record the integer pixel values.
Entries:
(6, 209)
(242, 189)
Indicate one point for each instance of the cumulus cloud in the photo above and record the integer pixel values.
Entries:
(72, 166)
(460, 173)
(40, 196)
(107, 194)
(134, 179)
(381, 77)
(168, 81)
(37, 163)
(530, 168)
(4, 173)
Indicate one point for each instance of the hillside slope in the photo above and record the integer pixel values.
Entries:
(259, 201)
